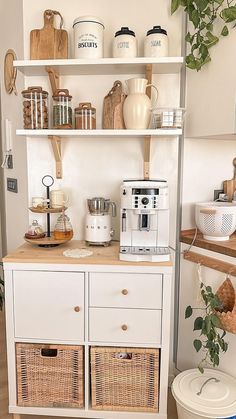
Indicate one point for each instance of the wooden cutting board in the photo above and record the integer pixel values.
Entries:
(230, 185)
(113, 107)
(49, 42)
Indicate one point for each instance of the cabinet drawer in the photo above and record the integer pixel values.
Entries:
(49, 305)
(124, 325)
(125, 290)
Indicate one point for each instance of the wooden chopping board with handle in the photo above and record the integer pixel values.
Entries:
(230, 185)
(49, 42)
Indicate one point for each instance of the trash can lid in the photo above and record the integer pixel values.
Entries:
(211, 394)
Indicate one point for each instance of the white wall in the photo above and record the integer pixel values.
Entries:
(11, 36)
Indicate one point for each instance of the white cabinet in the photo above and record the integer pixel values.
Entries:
(54, 306)
(49, 305)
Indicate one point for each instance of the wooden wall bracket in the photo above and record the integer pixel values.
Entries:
(56, 147)
(54, 79)
(147, 138)
(218, 265)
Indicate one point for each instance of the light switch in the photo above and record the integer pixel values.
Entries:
(12, 185)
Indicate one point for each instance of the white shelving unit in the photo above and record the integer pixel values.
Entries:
(102, 66)
(99, 133)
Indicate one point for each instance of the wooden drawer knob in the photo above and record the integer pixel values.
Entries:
(124, 327)
(124, 292)
(77, 309)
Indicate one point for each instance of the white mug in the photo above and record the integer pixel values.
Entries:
(39, 201)
(58, 198)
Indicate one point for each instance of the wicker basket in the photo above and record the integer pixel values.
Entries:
(125, 379)
(227, 315)
(50, 375)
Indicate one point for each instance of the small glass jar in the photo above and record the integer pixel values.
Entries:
(62, 110)
(63, 229)
(35, 108)
(85, 116)
(35, 229)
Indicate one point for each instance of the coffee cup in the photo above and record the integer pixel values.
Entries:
(58, 198)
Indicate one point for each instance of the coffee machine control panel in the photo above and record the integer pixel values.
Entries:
(151, 198)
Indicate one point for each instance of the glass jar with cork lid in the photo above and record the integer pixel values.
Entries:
(62, 110)
(85, 116)
(35, 108)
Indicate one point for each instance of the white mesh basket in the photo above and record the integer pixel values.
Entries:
(216, 220)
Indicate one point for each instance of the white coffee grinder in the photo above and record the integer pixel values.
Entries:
(98, 229)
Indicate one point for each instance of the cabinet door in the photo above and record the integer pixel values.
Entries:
(49, 305)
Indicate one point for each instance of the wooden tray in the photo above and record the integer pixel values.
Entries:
(46, 241)
(47, 210)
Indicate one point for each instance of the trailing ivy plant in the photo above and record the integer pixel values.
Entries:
(211, 340)
(210, 19)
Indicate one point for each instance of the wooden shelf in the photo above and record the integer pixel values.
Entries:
(47, 210)
(106, 133)
(161, 65)
(225, 247)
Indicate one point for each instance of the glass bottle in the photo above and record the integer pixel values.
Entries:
(85, 116)
(63, 229)
(35, 229)
(62, 110)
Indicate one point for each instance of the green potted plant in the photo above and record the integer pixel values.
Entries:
(211, 19)
(211, 340)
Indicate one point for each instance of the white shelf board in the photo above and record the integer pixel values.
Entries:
(106, 133)
(222, 137)
(161, 65)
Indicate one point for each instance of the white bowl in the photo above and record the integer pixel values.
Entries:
(216, 220)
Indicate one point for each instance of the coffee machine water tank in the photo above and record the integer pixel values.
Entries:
(144, 220)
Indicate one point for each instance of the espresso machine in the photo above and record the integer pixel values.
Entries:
(144, 221)
(98, 230)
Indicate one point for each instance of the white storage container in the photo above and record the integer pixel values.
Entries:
(216, 220)
(124, 44)
(208, 395)
(88, 37)
(156, 43)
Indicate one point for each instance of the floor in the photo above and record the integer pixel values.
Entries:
(3, 383)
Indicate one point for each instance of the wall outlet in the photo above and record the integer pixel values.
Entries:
(12, 185)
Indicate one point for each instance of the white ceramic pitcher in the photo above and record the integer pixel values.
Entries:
(137, 106)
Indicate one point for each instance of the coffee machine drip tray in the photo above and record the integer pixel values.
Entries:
(148, 254)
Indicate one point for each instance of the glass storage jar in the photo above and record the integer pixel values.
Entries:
(62, 110)
(63, 229)
(35, 108)
(35, 231)
(85, 116)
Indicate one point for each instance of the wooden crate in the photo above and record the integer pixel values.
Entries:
(124, 379)
(50, 375)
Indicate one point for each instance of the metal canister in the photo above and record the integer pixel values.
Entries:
(88, 37)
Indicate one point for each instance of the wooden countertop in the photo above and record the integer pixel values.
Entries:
(227, 247)
(101, 255)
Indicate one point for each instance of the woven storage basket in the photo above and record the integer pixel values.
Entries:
(227, 296)
(50, 375)
(125, 379)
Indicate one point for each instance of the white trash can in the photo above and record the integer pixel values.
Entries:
(208, 395)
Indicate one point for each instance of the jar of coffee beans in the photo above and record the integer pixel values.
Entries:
(35, 108)
(62, 110)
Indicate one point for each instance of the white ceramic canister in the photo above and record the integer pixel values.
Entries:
(156, 43)
(88, 37)
(124, 43)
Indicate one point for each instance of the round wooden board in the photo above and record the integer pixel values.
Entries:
(46, 241)
(47, 210)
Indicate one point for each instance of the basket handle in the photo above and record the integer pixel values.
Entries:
(48, 353)
(208, 211)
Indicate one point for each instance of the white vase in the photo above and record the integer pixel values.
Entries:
(137, 106)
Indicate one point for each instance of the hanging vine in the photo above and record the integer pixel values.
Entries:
(211, 20)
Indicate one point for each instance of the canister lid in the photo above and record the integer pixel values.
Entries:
(157, 29)
(84, 105)
(62, 93)
(211, 394)
(125, 31)
(35, 90)
(91, 19)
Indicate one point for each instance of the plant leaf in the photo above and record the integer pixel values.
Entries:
(229, 14)
(198, 323)
(174, 5)
(188, 312)
(197, 344)
(215, 320)
(201, 369)
(225, 31)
